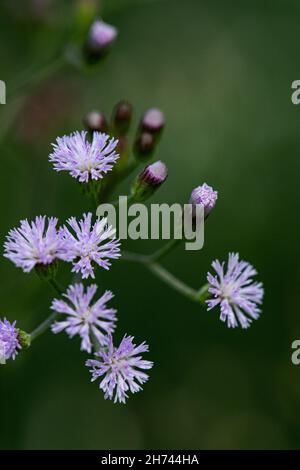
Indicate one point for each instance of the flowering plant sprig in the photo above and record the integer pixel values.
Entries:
(90, 243)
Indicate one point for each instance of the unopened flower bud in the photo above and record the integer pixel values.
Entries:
(206, 196)
(153, 121)
(100, 37)
(144, 146)
(121, 117)
(95, 121)
(149, 180)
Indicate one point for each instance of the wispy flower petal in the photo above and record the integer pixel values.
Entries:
(121, 368)
(235, 291)
(84, 160)
(89, 244)
(84, 318)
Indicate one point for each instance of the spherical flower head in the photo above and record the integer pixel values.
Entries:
(153, 121)
(9, 340)
(121, 368)
(206, 196)
(235, 292)
(88, 244)
(34, 243)
(84, 318)
(82, 159)
(101, 35)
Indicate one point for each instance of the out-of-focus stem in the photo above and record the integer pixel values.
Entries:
(44, 326)
(16, 94)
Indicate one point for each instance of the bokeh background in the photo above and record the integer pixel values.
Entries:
(222, 73)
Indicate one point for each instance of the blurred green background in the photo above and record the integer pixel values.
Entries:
(222, 73)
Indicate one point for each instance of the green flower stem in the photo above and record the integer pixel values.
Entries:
(154, 257)
(134, 257)
(167, 248)
(116, 203)
(172, 281)
(168, 278)
(44, 326)
(39, 330)
(116, 178)
(130, 168)
(56, 286)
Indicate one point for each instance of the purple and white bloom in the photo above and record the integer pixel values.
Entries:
(9, 340)
(120, 368)
(84, 160)
(34, 243)
(87, 244)
(83, 318)
(206, 196)
(101, 35)
(235, 292)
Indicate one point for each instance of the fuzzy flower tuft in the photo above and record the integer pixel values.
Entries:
(9, 340)
(87, 244)
(101, 35)
(82, 159)
(89, 321)
(235, 292)
(121, 368)
(34, 243)
(206, 196)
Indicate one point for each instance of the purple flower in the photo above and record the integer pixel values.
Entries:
(149, 180)
(34, 243)
(89, 244)
(154, 174)
(9, 341)
(120, 368)
(153, 121)
(83, 318)
(206, 196)
(100, 36)
(235, 292)
(82, 159)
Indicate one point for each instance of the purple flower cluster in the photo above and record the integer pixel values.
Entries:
(37, 243)
(235, 292)
(89, 321)
(82, 159)
(122, 368)
(9, 340)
